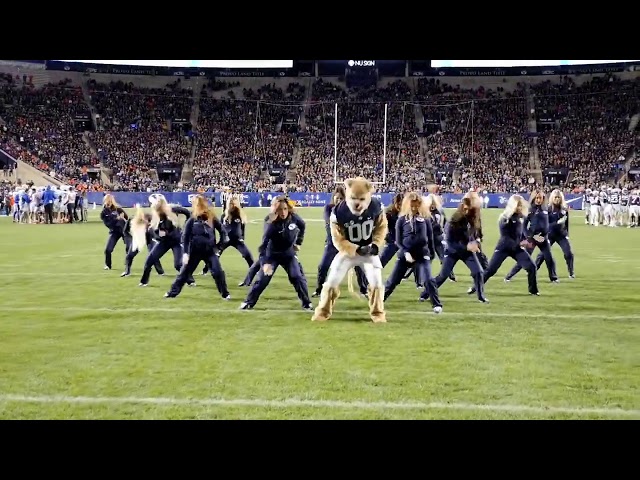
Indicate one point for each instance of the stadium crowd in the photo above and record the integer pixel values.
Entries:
(463, 138)
(134, 135)
(591, 134)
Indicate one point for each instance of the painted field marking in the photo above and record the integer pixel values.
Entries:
(330, 404)
(215, 309)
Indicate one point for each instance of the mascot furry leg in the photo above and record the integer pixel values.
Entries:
(328, 298)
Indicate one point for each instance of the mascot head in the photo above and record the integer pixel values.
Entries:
(358, 194)
(154, 198)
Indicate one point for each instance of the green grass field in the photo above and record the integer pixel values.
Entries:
(79, 342)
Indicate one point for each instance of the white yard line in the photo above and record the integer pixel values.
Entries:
(328, 404)
(420, 311)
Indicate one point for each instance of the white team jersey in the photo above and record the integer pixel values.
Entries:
(72, 197)
(595, 200)
(624, 200)
(604, 198)
(614, 198)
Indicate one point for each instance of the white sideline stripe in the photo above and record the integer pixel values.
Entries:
(337, 314)
(331, 404)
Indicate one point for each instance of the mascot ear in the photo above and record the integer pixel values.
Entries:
(369, 186)
(348, 183)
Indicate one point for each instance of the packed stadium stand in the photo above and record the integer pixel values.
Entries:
(147, 134)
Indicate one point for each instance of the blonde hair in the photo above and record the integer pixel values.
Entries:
(162, 207)
(512, 205)
(475, 198)
(436, 201)
(109, 201)
(138, 228)
(424, 206)
(201, 208)
(227, 213)
(558, 193)
(534, 194)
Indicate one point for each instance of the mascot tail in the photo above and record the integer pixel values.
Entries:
(350, 283)
(138, 231)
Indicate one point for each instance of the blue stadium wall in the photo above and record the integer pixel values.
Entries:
(129, 199)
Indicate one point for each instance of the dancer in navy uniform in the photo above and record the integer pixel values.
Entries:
(330, 250)
(391, 247)
(559, 229)
(142, 221)
(482, 258)
(461, 233)
(416, 247)
(114, 218)
(199, 242)
(233, 226)
(278, 248)
(439, 224)
(255, 268)
(164, 224)
(512, 243)
(536, 227)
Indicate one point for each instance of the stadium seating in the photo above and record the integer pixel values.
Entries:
(282, 135)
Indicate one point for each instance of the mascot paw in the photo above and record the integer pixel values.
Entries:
(379, 318)
(268, 269)
(318, 317)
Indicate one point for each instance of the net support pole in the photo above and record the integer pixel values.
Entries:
(384, 146)
(255, 134)
(335, 144)
(472, 145)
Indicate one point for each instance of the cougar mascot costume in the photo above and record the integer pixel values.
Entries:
(358, 229)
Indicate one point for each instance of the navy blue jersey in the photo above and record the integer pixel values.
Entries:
(198, 234)
(358, 229)
(327, 222)
(302, 226)
(233, 226)
(458, 233)
(414, 235)
(166, 229)
(392, 218)
(438, 223)
(558, 222)
(537, 222)
(297, 219)
(279, 238)
(109, 217)
(181, 211)
(512, 232)
(634, 199)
